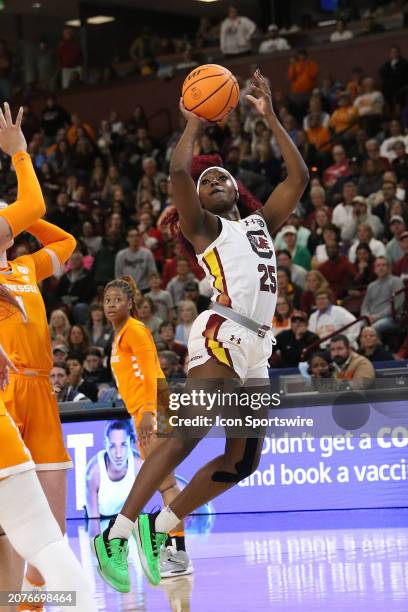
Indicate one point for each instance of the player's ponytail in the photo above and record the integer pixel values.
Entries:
(129, 288)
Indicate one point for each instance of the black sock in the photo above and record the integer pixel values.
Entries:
(176, 541)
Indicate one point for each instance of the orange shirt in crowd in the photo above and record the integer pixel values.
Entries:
(302, 75)
(72, 133)
(343, 117)
(319, 137)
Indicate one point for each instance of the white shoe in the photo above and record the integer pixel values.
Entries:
(174, 563)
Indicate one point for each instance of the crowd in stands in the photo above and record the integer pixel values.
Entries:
(42, 65)
(341, 255)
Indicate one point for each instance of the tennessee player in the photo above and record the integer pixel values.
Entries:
(29, 398)
(24, 511)
(143, 387)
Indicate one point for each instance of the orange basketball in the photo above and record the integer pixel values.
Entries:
(210, 91)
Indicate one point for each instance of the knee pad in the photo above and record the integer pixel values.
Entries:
(25, 514)
(244, 467)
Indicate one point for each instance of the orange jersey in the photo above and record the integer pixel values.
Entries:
(27, 340)
(136, 367)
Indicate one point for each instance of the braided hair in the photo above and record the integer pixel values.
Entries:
(127, 285)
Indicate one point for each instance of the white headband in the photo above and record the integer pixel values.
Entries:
(233, 181)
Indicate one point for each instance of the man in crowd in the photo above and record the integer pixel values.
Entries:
(350, 366)
(135, 261)
(291, 342)
(377, 303)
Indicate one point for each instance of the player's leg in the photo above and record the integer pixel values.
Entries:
(35, 405)
(174, 560)
(156, 468)
(27, 519)
(36, 536)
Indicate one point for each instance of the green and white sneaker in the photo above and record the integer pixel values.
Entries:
(149, 542)
(112, 560)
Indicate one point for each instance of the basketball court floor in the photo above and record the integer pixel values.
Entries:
(312, 561)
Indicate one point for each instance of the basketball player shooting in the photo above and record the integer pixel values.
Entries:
(243, 304)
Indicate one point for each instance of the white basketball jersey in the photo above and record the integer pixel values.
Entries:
(112, 494)
(241, 267)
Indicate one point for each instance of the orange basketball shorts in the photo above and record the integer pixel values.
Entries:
(32, 405)
(14, 455)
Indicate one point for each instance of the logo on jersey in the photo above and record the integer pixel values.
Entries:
(254, 221)
(260, 244)
(22, 269)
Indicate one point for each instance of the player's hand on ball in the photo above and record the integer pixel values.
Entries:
(189, 116)
(146, 429)
(11, 137)
(263, 99)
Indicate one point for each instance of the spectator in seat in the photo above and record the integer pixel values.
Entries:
(343, 213)
(377, 301)
(393, 250)
(300, 255)
(314, 282)
(166, 341)
(400, 267)
(297, 273)
(236, 33)
(69, 57)
(328, 318)
(77, 384)
(272, 41)
(341, 33)
(315, 107)
(394, 75)
(78, 340)
(371, 177)
(94, 372)
(192, 294)
(349, 365)
(372, 148)
(370, 105)
(365, 235)
(53, 118)
(281, 318)
(187, 314)
(146, 311)
(161, 299)
(290, 343)
(59, 378)
(337, 270)
(338, 169)
(302, 75)
(344, 118)
(319, 224)
(76, 288)
(372, 347)
(317, 134)
(100, 332)
(177, 285)
(364, 267)
(302, 233)
(362, 215)
(331, 233)
(103, 268)
(400, 163)
(288, 288)
(170, 365)
(396, 135)
(64, 215)
(135, 261)
(321, 371)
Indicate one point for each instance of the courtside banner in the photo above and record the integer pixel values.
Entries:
(359, 463)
